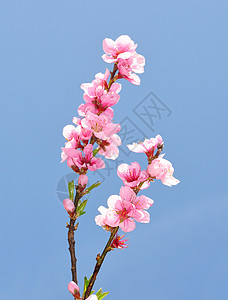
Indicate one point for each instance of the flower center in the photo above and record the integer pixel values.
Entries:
(97, 125)
(131, 175)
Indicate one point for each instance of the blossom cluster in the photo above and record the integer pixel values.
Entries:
(94, 132)
(94, 126)
(126, 208)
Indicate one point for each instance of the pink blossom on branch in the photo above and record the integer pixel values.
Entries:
(83, 109)
(140, 202)
(111, 151)
(120, 213)
(98, 94)
(161, 168)
(122, 52)
(84, 134)
(132, 175)
(148, 146)
(123, 44)
(71, 144)
(76, 159)
(74, 135)
(129, 64)
(69, 132)
(124, 209)
(101, 126)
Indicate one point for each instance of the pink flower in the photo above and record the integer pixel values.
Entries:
(100, 219)
(127, 64)
(113, 49)
(132, 175)
(140, 202)
(83, 133)
(120, 213)
(69, 206)
(73, 136)
(83, 109)
(71, 144)
(98, 94)
(76, 121)
(111, 151)
(124, 209)
(122, 52)
(73, 288)
(109, 98)
(101, 126)
(69, 132)
(161, 168)
(75, 158)
(148, 146)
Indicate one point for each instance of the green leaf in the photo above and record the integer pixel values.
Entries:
(95, 151)
(81, 207)
(103, 295)
(86, 282)
(82, 213)
(99, 292)
(71, 189)
(100, 295)
(89, 189)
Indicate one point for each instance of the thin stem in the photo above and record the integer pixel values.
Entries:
(100, 260)
(112, 78)
(77, 197)
(71, 241)
(159, 150)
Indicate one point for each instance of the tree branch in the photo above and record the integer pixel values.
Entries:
(112, 78)
(71, 248)
(71, 241)
(100, 260)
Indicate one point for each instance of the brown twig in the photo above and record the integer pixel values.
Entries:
(159, 150)
(112, 78)
(100, 260)
(71, 241)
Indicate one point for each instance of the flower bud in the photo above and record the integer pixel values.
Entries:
(74, 289)
(69, 206)
(82, 182)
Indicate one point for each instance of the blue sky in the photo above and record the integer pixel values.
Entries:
(48, 48)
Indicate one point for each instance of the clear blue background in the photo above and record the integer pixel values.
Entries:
(48, 48)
